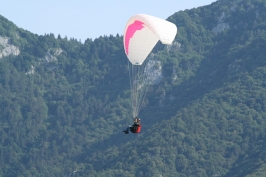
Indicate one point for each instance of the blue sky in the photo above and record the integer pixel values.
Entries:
(82, 19)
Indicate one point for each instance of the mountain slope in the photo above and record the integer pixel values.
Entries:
(64, 104)
(220, 105)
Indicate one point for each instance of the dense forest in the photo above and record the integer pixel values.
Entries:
(64, 104)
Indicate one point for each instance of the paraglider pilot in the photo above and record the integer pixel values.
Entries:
(135, 128)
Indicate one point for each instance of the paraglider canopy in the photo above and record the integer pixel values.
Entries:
(141, 34)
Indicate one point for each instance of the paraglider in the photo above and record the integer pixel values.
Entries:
(141, 34)
(135, 128)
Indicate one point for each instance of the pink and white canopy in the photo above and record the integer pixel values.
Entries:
(141, 34)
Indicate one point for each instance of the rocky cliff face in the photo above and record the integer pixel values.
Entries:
(7, 49)
(153, 71)
(221, 26)
(52, 54)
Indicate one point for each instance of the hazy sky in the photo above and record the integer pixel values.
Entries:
(82, 19)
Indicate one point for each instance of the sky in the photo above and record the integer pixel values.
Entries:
(83, 19)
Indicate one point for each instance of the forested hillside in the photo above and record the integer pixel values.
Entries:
(64, 104)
